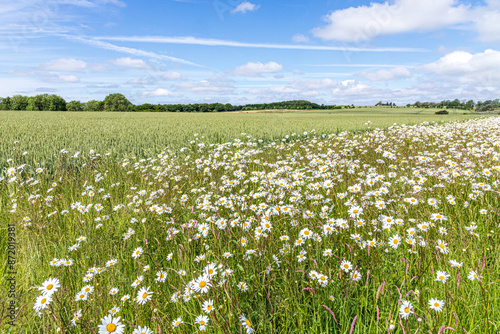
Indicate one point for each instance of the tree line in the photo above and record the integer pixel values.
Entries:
(118, 102)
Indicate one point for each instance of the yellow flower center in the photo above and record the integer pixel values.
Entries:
(87, 289)
(407, 310)
(346, 266)
(49, 287)
(436, 304)
(43, 301)
(203, 284)
(209, 307)
(441, 245)
(210, 271)
(202, 322)
(249, 324)
(144, 295)
(111, 327)
(441, 278)
(395, 241)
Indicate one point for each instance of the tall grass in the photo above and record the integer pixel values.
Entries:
(336, 188)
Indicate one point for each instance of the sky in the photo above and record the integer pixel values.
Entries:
(240, 52)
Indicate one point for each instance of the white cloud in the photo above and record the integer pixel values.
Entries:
(300, 38)
(171, 75)
(256, 69)
(160, 92)
(130, 62)
(244, 7)
(387, 74)
(211, 86)
(64, 65)
(95, 67)
(359, 24)
(189, 40)
(62, 78)
(127, 50)
(480, 68)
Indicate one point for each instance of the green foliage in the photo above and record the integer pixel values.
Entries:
(5, 103)
(442, 112)
(117, 102)
(94, 105)
(488, 105)
(75, 106)
(18, 102)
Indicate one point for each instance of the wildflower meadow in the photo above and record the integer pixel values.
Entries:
(389, 230)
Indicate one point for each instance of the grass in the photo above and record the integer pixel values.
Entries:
(43, 134)
(312, 182)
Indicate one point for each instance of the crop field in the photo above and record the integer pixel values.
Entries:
(42, 135)
(303, 222)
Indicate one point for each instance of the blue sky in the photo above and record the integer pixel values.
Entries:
(191, 51)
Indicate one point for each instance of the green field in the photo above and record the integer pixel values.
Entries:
(43, 134)
(346, 229)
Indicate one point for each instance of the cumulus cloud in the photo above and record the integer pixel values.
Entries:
(62, 78)
(358, 24)
(256, 69)
(211, 86)
(153, 80)
(64, 65)
(300, 38)
(386, 74)
(130, 62)
(244, 7)
(160, 92)
(479, 68)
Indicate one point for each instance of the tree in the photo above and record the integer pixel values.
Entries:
(37, 102)
(94, 105)
(75, 106)
(18, 102)
(117, 102)
(5, 103)
(55, 103)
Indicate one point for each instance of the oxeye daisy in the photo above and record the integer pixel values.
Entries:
(346, 266)
(202, 284)
(111, 325)
(202, 320)
(88, 289)
(436, 305)
(394, 241)
(247, 325)
(242, 286)
(442, 276)
(441, 245)
(143, 295)
(42, 302)
(113, 291)
(49, 286)
(77, 315)
(208, 306)
(114, 310)
(137, 252)
(125, 298)
(356, 275)
(474, 276)
(81, 296)
(161, 276)
(142, 330)
(111, 263)
(405, 309)
(177, 322)
(137, 281)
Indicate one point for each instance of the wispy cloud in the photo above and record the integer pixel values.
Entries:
(244, 7)
(127, 50)
(219, 42)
